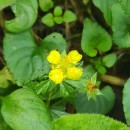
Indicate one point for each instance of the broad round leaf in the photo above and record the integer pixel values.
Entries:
(126, 101)
(94, 38)
(102, 105)
(87, 122)
(24, 110)
(22, 58)
(105, 7)
(26, 14)
(120, 26)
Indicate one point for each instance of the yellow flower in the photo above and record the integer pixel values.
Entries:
(74, 57)
(74, 73)
(56, 76)
(63, 66)
(54, 57)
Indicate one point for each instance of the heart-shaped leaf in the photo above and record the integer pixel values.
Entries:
(94, 38)
(24, 110)
(25, 12)
(87, 122)
(120, 26)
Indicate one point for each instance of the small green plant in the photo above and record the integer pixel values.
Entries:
(43, 76)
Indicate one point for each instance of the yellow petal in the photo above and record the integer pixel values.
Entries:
(74, 73)
(74, 57)
(54, 57)
(56, 75)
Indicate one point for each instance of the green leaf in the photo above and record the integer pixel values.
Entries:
(126, 101)
(58, 11)
(120, 26)
(125, 4)
(105, 7)
(93, 40)
(45, 5)
(69, 16)
(48, 20)
(87, 122)
(23, 58)
(5, 78)
(26, 14)
(24, 110)
(58, 20)
(102, 105)
(3, 124)
(54, 41)
(109, 60)
(6, 3)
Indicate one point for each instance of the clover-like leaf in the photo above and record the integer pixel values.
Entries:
(103, 103)
(69, 16)
(126, 100)
(45, 5)
(24, 110)
(48, 20)
(105, 7)
(94, 39)
(26, 14)
(120, 26)
(87, 122)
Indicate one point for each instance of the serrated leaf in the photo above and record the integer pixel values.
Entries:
(120, 27)
(48, 20)
(93, 40)
(125, 4)
(27, 61)
(54, 41)
(109, 60)
(21, 57)
(26, 14)
(6, 3)
(126, 101)
(69, 16)
(45, 5)
(87, 122)
(105, 7)
(24, 110)
(102, 105)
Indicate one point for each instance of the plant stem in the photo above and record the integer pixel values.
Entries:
(113, 80)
